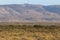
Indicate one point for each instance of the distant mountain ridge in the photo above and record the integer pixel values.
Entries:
(29, 13)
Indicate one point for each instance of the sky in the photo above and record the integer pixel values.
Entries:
(41, 2)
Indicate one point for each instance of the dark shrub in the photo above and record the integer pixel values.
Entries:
(38, 26)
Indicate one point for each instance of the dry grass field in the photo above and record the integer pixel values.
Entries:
(29, 32)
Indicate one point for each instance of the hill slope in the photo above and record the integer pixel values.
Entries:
(29, 13)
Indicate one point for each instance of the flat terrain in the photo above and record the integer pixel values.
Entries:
(29, 32)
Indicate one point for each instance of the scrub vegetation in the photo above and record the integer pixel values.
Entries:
(29, 32)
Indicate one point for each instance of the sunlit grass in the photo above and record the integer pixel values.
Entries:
(29, 32)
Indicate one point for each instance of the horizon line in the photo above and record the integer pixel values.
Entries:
(28, 4)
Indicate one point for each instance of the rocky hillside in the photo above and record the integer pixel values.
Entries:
(29, 13)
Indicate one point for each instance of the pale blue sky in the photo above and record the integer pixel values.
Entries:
(42, 2)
